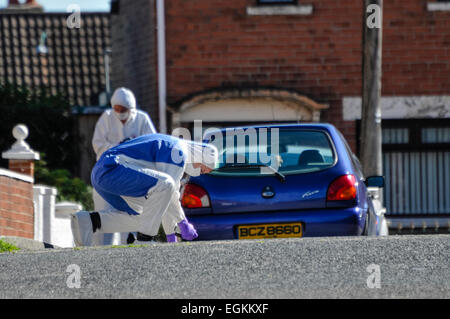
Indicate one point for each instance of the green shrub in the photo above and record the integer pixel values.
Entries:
(7, 247)
(51, 131)
(69, 188)
(49, 120)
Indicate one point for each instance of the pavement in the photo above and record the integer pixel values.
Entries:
(332, 267)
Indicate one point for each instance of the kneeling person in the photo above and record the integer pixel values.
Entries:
(140, 179)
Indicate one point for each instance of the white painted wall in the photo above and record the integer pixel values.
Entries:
(51, 219)
(401, 107)
(248, 110)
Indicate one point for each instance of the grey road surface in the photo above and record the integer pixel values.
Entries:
(346, 267)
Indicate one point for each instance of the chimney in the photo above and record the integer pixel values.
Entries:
(14, 6)
(32, 4)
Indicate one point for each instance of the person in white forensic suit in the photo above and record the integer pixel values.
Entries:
(140, 179)
(116, 125)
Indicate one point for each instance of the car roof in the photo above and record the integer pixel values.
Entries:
(320, 126)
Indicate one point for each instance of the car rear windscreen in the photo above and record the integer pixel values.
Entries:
(257, 151)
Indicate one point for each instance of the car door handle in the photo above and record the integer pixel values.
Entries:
(268, 192)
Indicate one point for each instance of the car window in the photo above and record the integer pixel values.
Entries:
(289, 151)
(355, 161)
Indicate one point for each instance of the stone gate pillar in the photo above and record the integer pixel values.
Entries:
(21, 157)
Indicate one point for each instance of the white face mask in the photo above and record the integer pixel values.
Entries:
(191, 171)
(122, 116)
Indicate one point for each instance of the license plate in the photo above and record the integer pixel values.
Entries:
(270, 231)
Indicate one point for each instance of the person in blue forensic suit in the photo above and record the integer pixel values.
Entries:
(140, 179)
(122, 122)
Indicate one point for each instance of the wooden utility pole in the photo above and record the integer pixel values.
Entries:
(370, 140)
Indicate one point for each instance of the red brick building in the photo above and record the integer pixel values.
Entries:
(245, 61)
(213, 45)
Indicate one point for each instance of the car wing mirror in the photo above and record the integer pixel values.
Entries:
(374, 181)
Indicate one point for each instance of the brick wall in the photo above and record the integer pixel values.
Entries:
(16, 208)
(213, 44)
(133, 63)
(22, 166)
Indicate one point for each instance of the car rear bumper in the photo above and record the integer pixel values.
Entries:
(327, 222)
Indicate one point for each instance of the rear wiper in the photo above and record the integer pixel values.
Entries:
(280, 176)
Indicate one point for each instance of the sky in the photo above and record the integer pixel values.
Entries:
(61, 5)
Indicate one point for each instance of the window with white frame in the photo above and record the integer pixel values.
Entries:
(279, 7)
(277, 2)
(438, 5)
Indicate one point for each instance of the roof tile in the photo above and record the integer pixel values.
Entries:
(74, 63)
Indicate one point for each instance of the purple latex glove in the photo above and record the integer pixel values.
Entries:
(188, 231)
(171, 238)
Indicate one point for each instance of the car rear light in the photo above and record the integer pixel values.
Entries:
(195, 196)
(342, 188)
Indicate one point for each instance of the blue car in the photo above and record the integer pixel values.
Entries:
(279, 181)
